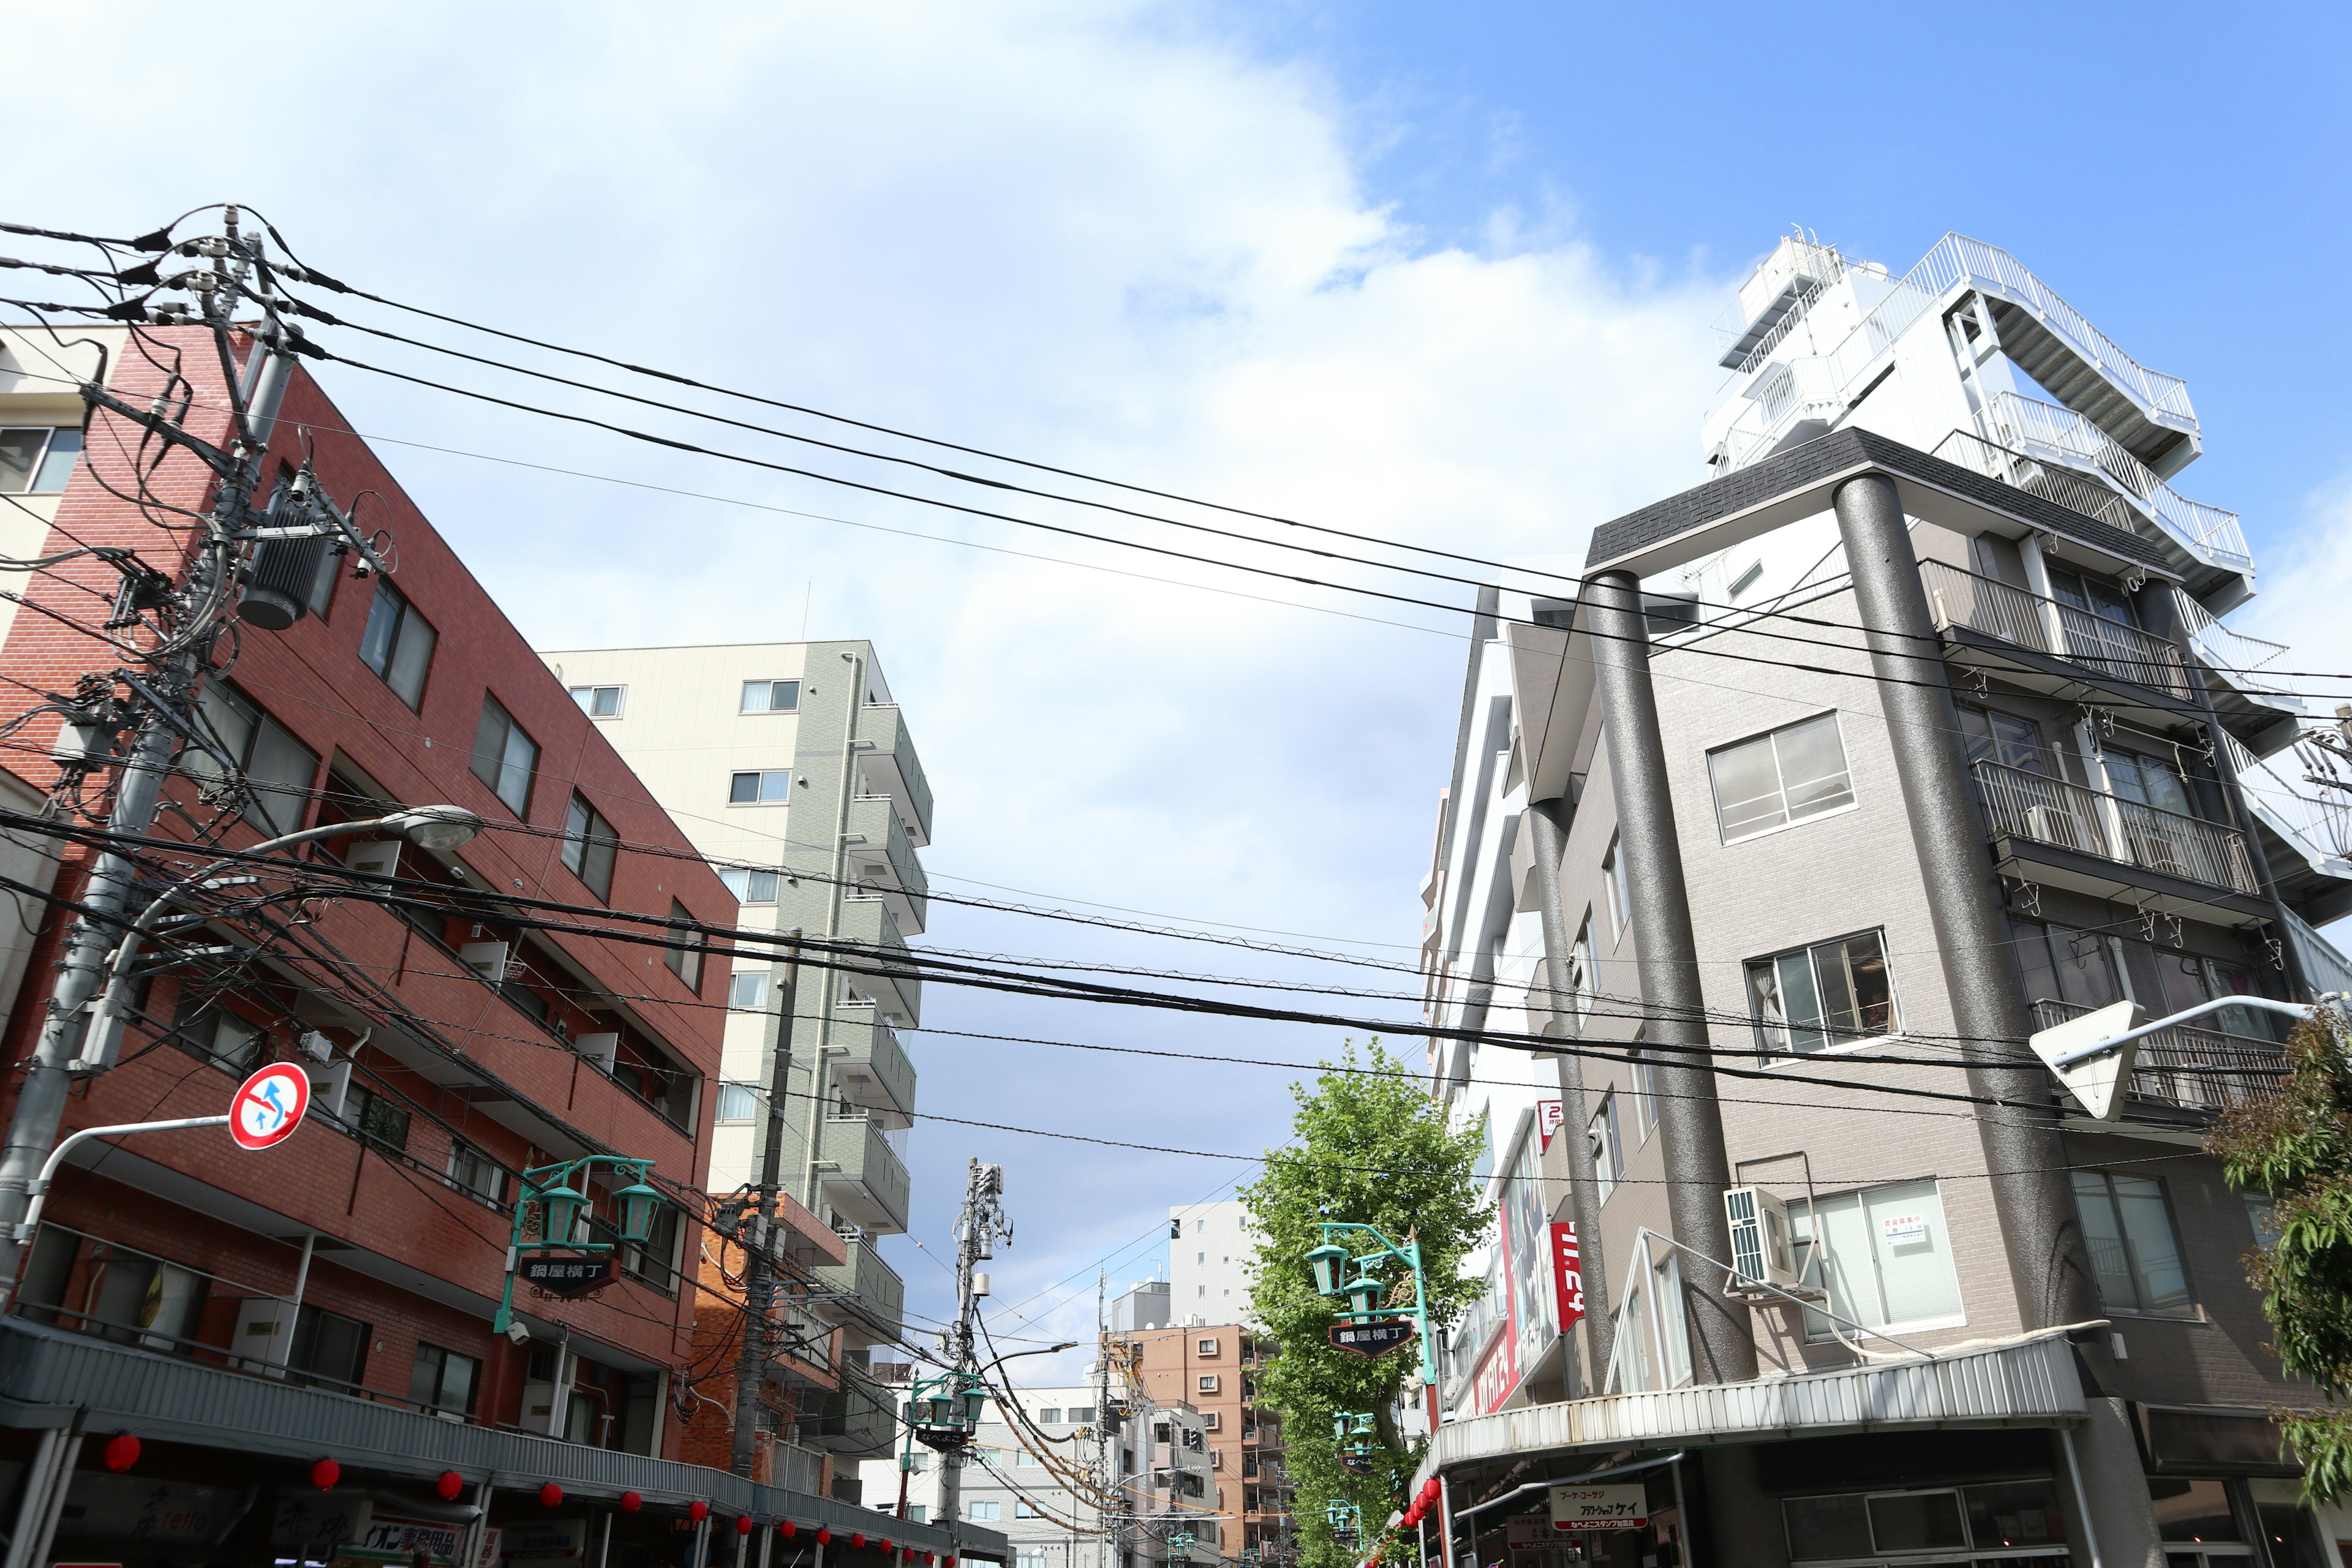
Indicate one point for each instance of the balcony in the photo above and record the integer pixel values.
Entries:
(882, 861)
(2190, 1067)
(859, 1419)
(896, 992)
(2081, 839)
(2115, 652)
(861, 1174)
(887, 764)
(879, 1309)
(870, 1069)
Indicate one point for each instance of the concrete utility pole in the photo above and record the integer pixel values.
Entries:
(978, 1228)
(231, 278)
(758, 1236)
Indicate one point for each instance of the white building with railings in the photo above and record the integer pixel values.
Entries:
(1778, 819)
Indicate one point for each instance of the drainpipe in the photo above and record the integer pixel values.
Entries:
(1548, 822)
(1649, 853)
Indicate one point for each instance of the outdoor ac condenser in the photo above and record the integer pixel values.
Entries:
(1759, 1236)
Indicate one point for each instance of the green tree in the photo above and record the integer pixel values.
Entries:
(1371, 1146)
(2297, 1146)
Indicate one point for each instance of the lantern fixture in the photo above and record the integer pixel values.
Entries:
(1328, 1260)
(942, 1406)
(325, 1474)
(742, 1524)
(637, 1203)
(448, 1484)
(121, 1451)
(975, 1404)
(698, 1510)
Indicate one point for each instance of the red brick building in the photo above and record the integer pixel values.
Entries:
(248, 1314)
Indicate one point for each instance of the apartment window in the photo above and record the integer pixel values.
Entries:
(443, 1381)
(211, 1033)
(1023, 1508)
(1205, 1347)
(477, 1172)
(1787, 777)
(1080, 1414)
(1633, 1345)
(504, 757)
(987, 1509)
(766, 786)
(2262, 1212)
(1216, 1458)
(1833, 993)
(600, 701)
(329, 1347)
(2149, 781)
(750, 887)
(1612, 882)
(397, 644)
(37, 457)
(2093, 596)
(1645, 1094)
(748, 993)
(1580, 969)
(738, 1102)
(1885, 1256)
(1208, 1382)
(1049, 1417)
(1022, 1460)
(1210, 1420)
(2134, 1250)
(375, 1118)
(1029, 1557)
(278, 770)
(1608, 1152)
(771, 695)
(918, 1513)
(1991, 736)
(685, 957)
(1674, 1331)
(589, 846)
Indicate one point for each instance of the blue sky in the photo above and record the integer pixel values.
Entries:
(1430, 272)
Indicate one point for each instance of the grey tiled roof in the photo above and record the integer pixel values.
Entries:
(1841, 451)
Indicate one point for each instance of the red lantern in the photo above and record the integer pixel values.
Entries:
(742, 1524)
(550, 1494)
(787, 1528)
(121, 1451)
(325, 1474)
(698, 1510)
(450, 1484)
(927, 1560)
(824, 1535)
(857, 1538)
(886, 1548)
(631, 1503)
(948, 1563)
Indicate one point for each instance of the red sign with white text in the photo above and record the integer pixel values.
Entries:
(1498, 1374)
(1547, 1120)
(1567, 1275)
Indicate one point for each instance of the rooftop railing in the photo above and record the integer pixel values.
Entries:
(1997, 608)
(2018, 804)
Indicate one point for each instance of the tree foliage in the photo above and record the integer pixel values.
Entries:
(1372, 1147)
(2297, 1147)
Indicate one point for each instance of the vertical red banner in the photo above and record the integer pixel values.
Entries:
(1567, 1275)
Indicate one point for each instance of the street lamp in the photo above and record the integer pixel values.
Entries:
(427, 826)
(636, 1203)
(1328, 1260)
(559, 1190)
(559, 1208)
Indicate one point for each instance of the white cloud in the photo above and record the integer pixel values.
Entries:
(1085, 234)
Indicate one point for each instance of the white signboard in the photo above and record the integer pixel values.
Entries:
(1903, 1230)
(1614, 1505)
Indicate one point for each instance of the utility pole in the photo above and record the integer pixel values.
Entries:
(232, 275)
(978, 1228)
(759, 1236)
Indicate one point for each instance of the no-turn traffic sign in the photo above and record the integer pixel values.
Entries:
(268, 1105)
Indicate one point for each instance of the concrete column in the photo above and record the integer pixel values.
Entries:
(2025, 1157)
(1548, 822)
(1650, 857)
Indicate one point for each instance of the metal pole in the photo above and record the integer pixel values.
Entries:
(60, 1486)
(605, 1544)
(759, 1273)
(37, 1495)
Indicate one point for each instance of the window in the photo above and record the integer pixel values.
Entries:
(1832, 994)
(1633, 1344)
(599, 701)
(1208, 1384)
(684, 959)
(1029, 1557)
(738, 1102)
(1612, 881)
(1886, 1257)
(211, 1033)
(771, 695)
(589, 846)
(504, 757)
(1049, 1417)
(1080, 1414)
(443, 1381)
(1022, 1460)
(750, 887)
(1774, 780)
(1645, 1094)
(1580, 970)
(2133, 1250)
(1998, 1519)
(1023, 1508)
(329, 1347)
(1205, 1347)
(1992, 736)
(397, 644)
(1673, 1332)
(1210, 1420)
(918, 1513)
(2090, 594)
(769, 786)
(278, 770)
(37, 457)
(475, 1172)
(2262, 1212)
(2150, 781)
(1608, 1153)
(987, 1509)
(748, 991)
(375, 1118)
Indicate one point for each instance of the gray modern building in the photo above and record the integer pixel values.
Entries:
(1779, 819)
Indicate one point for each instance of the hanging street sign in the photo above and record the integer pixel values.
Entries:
(567, 1276)
(1373, 1340)
(1356, 1464)
(268, 1105)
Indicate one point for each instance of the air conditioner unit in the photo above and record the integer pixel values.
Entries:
(378, 858)
(2054, 824)
(486, 959)
(1759, 1236)
(602, 1050)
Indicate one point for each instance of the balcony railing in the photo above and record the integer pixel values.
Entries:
(2044, 810)
(2029, 424)
(1959, 598)
(2194, 1069)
